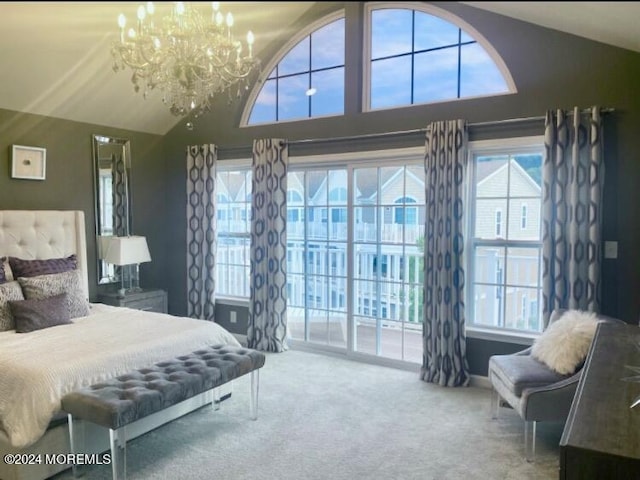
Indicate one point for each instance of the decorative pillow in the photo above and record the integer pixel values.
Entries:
(3, 276)
(44, 286)
(34, 268)
(31, 315)
(564, 345)
(5, 269)
(8, 292)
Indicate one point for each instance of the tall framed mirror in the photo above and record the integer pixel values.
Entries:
(112, 178)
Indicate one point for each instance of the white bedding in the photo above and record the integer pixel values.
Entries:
(37, 369)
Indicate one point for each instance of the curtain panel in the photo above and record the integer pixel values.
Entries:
(201, 230)
(268, 284)
(573, 182)
(444, 347)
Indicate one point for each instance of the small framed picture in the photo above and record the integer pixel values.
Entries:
(28, 162)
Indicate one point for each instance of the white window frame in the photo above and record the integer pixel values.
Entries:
(444, 15)
(232, 166)
(501, 334)
(277, 58)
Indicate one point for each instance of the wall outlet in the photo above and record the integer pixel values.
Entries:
(610, 249)
(233, 317)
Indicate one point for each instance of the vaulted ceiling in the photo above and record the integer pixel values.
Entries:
(55, 56)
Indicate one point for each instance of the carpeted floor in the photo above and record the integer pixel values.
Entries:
(328, 418)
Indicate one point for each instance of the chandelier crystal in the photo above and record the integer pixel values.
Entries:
(186, 56)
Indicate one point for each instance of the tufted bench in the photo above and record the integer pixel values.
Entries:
(119, 401)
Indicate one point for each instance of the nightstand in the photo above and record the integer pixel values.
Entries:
(148, 300)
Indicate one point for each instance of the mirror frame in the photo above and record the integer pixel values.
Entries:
(108, 149)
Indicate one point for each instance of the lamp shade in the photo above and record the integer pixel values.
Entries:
(124, 250)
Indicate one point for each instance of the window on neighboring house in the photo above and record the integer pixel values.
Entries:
(498, 223)
(424, 55)
(406, 214)
(523, 216)
(233, 205)
(505, 262)
(308, 80)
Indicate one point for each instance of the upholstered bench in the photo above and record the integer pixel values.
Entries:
(117, 402)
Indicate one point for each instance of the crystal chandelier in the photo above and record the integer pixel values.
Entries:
(189, 58)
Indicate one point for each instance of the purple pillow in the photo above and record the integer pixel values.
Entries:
(31, 315)
(35, 268)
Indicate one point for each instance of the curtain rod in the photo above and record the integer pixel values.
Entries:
(424, 130)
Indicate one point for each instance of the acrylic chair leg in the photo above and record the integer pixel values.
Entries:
(530, 440)
(495, 404)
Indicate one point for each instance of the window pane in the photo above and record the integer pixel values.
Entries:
(524, 221)
(523, 267)
(365, 227)
(415, 183)
(297, 60)
(490, 218)
(433, 32)
(488, 304)
(526, 176)
(489, 264)
(436, 75)
(491, 176)
(317, 187)
(329, 96)
(292, 98)
(479, 74)
(518, 305)
(264, 108)
(327, 46)
(366, 186)
(391, 31)
(391, 82)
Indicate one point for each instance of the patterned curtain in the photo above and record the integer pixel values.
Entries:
(573, 180)
(201, 230)
(444, 357)
(268, 288)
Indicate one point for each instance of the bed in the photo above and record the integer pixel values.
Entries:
(39, 367)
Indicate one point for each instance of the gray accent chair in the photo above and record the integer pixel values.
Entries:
(533, 390)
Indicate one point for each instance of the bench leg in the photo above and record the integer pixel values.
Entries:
(253, 401)
(118, 439)
(76, 442)
(216, 399)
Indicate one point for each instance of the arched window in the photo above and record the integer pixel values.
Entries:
(307, 81)
(415, 53)
(422, 54)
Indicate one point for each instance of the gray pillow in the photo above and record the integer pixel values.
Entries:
(43, 286)
(8, 292)
(34, 268)
(31, 315)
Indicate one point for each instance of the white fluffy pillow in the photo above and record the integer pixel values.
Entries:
(565, 343)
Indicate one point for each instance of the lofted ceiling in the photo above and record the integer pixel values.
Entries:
(55, 57)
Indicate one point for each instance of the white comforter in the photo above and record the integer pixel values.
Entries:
(38, 368)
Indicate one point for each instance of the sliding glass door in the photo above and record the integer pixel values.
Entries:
(317, 229)
(355, 258)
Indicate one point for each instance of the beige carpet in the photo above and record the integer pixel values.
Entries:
(328, 418)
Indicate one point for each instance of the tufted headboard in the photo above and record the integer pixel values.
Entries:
(42, 234)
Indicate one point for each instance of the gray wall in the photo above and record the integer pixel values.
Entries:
(550, 69)
(69, 181)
